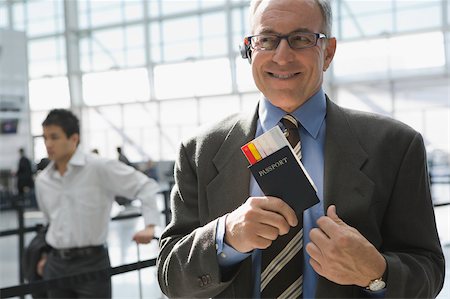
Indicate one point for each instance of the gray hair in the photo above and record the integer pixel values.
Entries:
(325, 9)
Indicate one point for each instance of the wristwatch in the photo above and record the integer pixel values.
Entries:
(376, 284)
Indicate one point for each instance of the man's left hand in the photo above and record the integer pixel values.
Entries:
(341, 254)
(145, 236)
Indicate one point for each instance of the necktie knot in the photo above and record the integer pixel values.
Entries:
(289, 122)
(291, 132)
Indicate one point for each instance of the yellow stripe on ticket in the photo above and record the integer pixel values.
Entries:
(254, 151)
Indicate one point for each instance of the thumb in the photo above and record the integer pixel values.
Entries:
(331, 212)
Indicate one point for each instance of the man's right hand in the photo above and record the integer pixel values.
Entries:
(258, 222)
(41, 264)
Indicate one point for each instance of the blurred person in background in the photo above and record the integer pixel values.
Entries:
(75, 192)
(24, 173)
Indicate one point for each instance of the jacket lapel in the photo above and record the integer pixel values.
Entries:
(232, 168)
(345, 185)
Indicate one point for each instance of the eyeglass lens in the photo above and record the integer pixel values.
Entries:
(296, 41)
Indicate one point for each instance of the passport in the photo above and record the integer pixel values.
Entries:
(280, 174)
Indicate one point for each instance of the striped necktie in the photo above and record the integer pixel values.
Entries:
(282, 262)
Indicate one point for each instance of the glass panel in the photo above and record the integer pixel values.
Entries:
(108, 49)
(37, 117)
(214, 109)
(140, 115)
(133, 10)
(47, 68)
(135, 46)
(133, 151)
(349, 30)
(170, 139)
(96, 117)
(447, 3)
(48, 51)
(366, 18)
(86, 54)
(437, 130)
(407, 52)
(171, 7)
(19, 16)
(44, 17)
(114, 140)
(213, 28)
(3, 16)
(116, 87)
(249, 101)
(39, 149)
(179, 112)
(181, 50)
(154, 8)
(97, 139)
(83, 13)
(167, 75)
(376, 24)
(211, 3)
(375, 99)
(155, 42)
(428, 13)
(240, 26)
(244, 75)
(41, 98)
(105, 12)
(150, 142)
(212, 77)
(181, 38)
(365, 8)
(190, 78)
(361, 57)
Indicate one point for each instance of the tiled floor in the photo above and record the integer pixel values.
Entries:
(123, 250)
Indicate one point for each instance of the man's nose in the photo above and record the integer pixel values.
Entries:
(283, 53)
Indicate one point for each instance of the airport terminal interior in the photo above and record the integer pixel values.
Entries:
(143, 75)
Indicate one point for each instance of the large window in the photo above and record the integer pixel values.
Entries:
(148, 73)
(47, 57)
(390, 56)
(197, 78)
(371, 18)
(49, 93)
(119, 86)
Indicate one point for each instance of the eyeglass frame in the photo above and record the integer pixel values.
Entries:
(248, 40)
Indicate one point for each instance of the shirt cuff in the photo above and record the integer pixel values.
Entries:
(227, 255)
(374, 294)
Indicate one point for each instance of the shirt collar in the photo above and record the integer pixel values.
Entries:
(78, 158)
(310, 115)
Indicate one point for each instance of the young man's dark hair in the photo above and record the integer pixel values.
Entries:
(65, 119)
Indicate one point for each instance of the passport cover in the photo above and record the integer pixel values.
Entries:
(280, 175)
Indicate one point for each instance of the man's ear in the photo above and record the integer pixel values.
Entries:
(330, 49)
(75, 138)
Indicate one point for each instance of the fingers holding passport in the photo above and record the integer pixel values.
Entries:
(258, 222)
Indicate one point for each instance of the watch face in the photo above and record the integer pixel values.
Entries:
(377, 285)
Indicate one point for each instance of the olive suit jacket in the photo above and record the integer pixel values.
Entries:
(375, 173)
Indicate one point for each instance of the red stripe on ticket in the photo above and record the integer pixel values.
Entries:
(248, 154)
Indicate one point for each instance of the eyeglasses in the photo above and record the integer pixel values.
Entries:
(297, 40)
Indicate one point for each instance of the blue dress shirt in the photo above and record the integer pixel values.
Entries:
(311, 116)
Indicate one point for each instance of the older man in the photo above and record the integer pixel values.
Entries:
(373, 232)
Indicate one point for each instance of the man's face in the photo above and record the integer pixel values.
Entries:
(59, 147)
(289, 77)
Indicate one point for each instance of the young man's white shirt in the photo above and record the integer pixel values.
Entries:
(78, 204)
